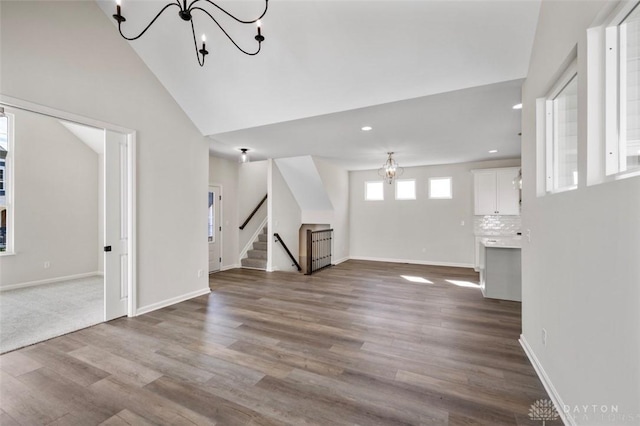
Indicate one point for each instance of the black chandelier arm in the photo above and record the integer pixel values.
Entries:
(266, 6)
(227, 34)
(150, 23)
(195, 44)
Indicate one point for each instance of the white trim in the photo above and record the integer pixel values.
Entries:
(132, 168)
(221, 221)
(413, 262)
(546, 382)
(339, 261)
(172, 301)
(51, 280)
(226, 268)
(247, 247)
(64, 115)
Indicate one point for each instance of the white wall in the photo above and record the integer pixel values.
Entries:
(225, 173)
(580, 272)
(284, 219)
(69, 56)
(336, 184)
(252, 185)
(56, 208)
(422, 230)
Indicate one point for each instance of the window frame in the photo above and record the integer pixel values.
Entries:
(450, 179)
(549, 144)
(9, 186)
(615, 106)
(415, 190)
(366, 190)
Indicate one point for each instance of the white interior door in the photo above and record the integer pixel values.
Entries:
(215, 226)
(116, 184)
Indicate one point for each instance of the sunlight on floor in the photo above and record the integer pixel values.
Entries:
(416, 279)
(463, 283)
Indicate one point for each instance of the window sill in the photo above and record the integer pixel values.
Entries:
(7, 253)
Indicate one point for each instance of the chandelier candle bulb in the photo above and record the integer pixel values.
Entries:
(259, 24)
(186, 13)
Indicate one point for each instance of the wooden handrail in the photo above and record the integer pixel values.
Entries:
(295, 262)
(253, 212)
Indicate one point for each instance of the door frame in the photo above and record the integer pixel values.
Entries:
(131, 173)
(221, 200)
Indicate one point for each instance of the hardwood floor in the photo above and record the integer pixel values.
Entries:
(354, 344)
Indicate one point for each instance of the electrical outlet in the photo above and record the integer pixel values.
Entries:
(200, 273)
(544, 337)
(47, 264)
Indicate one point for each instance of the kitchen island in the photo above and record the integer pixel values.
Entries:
(500, 268)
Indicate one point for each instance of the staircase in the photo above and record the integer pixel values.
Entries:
(257, 257)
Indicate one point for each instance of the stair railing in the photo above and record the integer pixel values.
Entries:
(253, 212)
(318, 249)
(293, 259)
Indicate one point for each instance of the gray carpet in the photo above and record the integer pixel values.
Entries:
(33, 314)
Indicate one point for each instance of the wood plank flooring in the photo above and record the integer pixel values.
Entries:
(354, 344)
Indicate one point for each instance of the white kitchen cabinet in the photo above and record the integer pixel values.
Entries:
(495, 192)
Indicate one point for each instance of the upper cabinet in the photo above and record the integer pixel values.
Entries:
(495, 192)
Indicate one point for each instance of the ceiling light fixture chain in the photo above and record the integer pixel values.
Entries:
(186, 14)
(390, 169)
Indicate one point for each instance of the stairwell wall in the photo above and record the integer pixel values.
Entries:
(336, 184)
(285, 218)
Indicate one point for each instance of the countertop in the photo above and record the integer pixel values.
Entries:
(502, 242)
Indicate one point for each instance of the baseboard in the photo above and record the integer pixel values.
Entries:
(339, 261)
(172, 301)
(546, 382)
(51, 280)
(232, 266)
(413, 262)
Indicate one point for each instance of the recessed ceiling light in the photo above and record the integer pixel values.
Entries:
(493, 151)
(366, 128)
(517, 106)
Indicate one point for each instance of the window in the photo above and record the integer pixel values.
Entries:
(212, 218)
(560, 120)
(440, 188)
(406, 189)
(6, 213)
(622, 91)
(374, 191)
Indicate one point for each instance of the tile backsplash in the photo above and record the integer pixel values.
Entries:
(496, 225)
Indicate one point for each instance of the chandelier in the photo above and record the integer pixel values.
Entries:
(186, 13)
(390, 169)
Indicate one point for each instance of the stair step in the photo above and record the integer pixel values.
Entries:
(264, 230)
(254, 263)
(262, 238)
(259, 246)
(257, 254)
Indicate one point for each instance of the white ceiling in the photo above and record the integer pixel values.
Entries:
(325, 57)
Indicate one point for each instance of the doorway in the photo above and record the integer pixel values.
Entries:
(73, 247)
(215, 228)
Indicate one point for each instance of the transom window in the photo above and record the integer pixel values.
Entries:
(374, 191)
(440, 188)
(623, 92)
(405, 189)
(558, 114)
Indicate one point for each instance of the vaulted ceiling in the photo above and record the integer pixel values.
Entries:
(435, 79)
